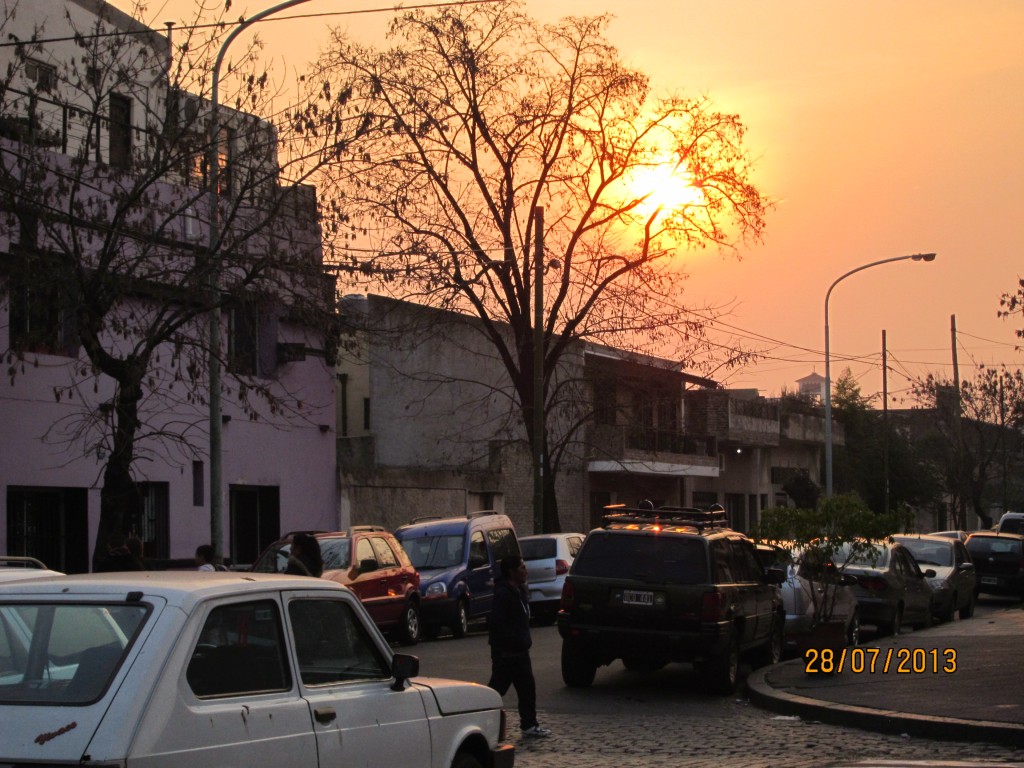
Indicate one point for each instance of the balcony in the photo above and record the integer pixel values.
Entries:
(639, 450)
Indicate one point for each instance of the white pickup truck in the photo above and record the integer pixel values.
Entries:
(223, 669)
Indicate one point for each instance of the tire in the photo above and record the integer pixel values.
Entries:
(466, 760)
(577, 669)
(968, 610)
(460, 625)
(771, 652)
(853, 630)
(720, 671)
(409, 631)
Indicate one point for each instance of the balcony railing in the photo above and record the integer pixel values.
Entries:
(668, 441)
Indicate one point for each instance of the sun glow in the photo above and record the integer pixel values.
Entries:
(663, 186)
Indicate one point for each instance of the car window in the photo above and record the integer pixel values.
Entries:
(503, 543)
(1012, 525)
(332, 645)
(747, 567)
(538, 549)
(240, 651)
(385, 556)
(364, 551)
(63, 654)
(721, 562)
(336, 552)
(435, 551)
(985, 546)
(929, 553)
(575, 542)
(672, 560)
(477, 548)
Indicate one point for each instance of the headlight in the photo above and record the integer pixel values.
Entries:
(437, 589)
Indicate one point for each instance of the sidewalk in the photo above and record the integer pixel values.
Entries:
(981, 700)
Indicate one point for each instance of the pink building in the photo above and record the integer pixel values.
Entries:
(102, 194)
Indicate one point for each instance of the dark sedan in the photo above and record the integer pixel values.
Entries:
(999, 562)
(891, 588)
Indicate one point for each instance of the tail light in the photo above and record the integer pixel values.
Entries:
(561, 567)
(712, 606)
(872, 583)
(568, 601)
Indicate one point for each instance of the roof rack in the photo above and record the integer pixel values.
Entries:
(688, 516)
(371, 528)
(18, 561)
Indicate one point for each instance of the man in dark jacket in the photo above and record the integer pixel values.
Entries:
(509, 630)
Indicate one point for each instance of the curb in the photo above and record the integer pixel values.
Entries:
(881, 720)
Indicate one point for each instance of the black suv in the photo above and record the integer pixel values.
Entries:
(672, 584)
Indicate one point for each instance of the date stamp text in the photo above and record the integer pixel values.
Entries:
(901, 661)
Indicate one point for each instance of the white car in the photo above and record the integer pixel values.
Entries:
(548, 558)
(213, 669)
(14, 568)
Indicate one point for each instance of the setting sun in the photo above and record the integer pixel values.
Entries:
(665, 185)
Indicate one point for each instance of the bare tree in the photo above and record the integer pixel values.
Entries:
(104, 199)
(478, 117)
(973, 436)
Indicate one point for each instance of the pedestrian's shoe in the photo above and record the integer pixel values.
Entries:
(536, 732)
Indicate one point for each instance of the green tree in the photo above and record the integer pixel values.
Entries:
(478, 117)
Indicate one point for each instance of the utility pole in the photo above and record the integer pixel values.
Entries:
(885, 420)
(538, 370)
(961, 511)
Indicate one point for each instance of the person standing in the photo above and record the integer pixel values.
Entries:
(510, 641)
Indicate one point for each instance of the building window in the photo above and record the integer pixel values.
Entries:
(366, 413)
(243, 340)
(120, 132)
(226, 162)
(255, 520)
(39, 321)
(604, 401)
(43, 76)
(153, 522)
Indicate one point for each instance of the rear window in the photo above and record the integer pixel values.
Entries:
(990, 546)
(645, 558)
(538, 549)
(335, 551)
(1012, 525)
(63, 654)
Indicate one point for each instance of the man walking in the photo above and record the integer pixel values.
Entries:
(509, 637)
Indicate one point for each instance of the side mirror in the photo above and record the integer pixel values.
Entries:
(775, 575)
(966, 567)
(403, 666)
(847, 580)
(929, 574)
(367, 566)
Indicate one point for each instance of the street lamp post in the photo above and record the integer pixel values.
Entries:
(828, 370)
(214, 341)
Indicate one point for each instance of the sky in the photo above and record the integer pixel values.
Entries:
(880, 129)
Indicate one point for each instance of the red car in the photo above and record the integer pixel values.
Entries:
(369, 561)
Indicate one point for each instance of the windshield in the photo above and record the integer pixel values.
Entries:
(334, 550)
(875, 556)
(63, 654)
(435, 551)
(929, 552)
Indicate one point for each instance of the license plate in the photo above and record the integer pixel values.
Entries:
(989, 580)
(635, 597)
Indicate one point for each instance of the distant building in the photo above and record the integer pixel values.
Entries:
(812, 386)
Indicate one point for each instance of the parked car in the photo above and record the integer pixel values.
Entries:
(1011, 522)
(999, 562)
(962, 535)
(458, 560)
(954, 584)
(548, 557)
(368, 560)
(16, 568)
(891, 588)
(801, 596)
(667, 585)
(223, 668)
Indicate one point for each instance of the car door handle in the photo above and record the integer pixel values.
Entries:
(324, 714)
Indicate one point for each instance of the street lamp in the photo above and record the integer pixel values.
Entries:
(213, 180)
(828, 374)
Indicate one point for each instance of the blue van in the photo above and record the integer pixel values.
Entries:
(458, 561)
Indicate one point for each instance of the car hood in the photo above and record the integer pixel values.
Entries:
(454, 697)
(430, 575)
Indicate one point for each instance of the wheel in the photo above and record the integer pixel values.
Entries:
(577, 669)
(968, 610)
(460, 626)
(409, 632)
(466, 760)
(720, 671)
(853, 630)
(950, 615)
(771, 652)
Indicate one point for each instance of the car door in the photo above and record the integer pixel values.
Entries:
(917, 592)
(758, 596)
(479, 576)
(344, 672)
(394, 577)
(368, 582)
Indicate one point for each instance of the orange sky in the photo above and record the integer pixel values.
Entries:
(882, 128)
